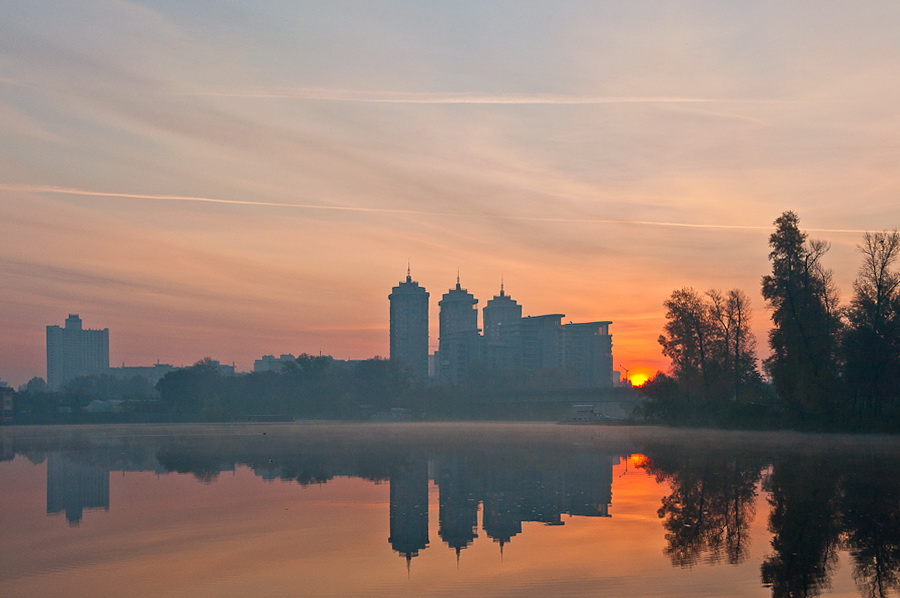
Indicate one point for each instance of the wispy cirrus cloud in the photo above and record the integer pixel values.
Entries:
(398, 97)
(30, 188)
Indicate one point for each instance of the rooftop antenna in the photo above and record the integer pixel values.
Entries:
(502, 292)
(408, 272)
(457, 278)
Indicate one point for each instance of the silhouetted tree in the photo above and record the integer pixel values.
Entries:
(708, 339)
(36, 384)
(104, 387)
(665, 401)
(804, 340)
(735, 345)
(193, 392)
(381, 383)
(872, 340)
(34, 397)
(687, 340)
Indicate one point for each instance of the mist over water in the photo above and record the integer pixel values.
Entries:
(446, 509)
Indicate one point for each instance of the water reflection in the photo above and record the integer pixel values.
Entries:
(409, 507)
(73, 486)
(708, 513)
(822, 502)
(870, 513)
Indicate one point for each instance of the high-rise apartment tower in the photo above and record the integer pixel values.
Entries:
(459, 339)
(409, 327)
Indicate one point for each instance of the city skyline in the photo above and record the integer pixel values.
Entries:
(233, 183)
(73, 351)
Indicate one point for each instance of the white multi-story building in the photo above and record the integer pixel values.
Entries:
(74, 351)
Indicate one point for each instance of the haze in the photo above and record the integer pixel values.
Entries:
(233, 179)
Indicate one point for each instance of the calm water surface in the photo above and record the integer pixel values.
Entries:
(445, 510)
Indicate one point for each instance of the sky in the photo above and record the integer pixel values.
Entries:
(232, 178)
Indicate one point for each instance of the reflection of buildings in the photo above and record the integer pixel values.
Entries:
(74, 351)
(458, 503)
(81, 481)
(409, 507)
(509, 488)
(588, 485)
(511, 491)
(515, 492)
(7, 452)
(73, 487)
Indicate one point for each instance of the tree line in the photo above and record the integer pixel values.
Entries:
(831, 366)
(309, 387)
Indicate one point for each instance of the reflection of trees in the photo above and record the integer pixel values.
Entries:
(871, 519)
(804, 499)
(711, 504)
(819, 504)
(204, 467)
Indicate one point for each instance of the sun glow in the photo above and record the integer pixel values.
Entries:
(638, 378)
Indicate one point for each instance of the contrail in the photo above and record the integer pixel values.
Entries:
(190, 198)
(306, 206)
(387, 97)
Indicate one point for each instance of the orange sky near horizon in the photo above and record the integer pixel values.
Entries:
(230, 183)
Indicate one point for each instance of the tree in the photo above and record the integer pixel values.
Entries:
(193, 392)
(804, 340)
(708, 339)
(735, 346)
(687, 340)
(871, 342)
(35, 385)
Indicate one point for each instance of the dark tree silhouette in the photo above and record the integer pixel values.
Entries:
(872, 339)
(804, 340)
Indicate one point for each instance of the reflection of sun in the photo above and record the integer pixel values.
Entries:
(637, 460)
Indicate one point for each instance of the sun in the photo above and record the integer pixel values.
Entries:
(638, 378)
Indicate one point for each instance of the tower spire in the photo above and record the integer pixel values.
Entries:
(408, 272)
(457, 279)
(502, 292)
